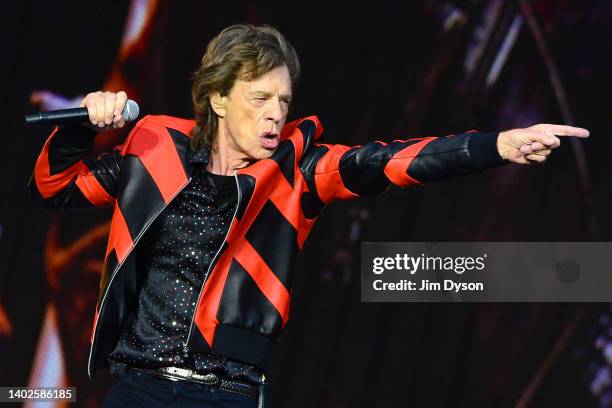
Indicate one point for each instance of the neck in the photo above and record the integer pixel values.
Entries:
(221, 163)
(225, 160)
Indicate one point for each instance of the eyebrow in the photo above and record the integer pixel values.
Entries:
(269, 94)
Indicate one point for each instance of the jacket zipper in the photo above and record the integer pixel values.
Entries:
(210, 266)
(145, 228)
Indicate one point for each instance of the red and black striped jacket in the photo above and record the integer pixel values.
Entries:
(244, 301)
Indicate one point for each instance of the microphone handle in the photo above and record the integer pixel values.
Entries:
(58, 117)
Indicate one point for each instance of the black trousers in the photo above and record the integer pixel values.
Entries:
(135, 389)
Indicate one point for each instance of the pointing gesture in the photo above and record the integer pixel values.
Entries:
(533, 144)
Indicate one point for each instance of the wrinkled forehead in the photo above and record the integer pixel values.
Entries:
(274, 82)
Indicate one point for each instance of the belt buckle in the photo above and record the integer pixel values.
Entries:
(175, 373)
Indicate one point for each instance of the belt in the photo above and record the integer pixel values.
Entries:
(184, 374)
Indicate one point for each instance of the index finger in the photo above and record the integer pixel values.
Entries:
(564, 130)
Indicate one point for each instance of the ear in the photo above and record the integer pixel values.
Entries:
(217, 102)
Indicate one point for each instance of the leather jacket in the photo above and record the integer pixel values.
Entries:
(243, 303)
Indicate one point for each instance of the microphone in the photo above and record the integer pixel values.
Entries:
(75, 115)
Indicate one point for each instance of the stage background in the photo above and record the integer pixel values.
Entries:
(371, 70)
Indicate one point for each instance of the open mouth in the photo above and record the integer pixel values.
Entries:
(270, 140)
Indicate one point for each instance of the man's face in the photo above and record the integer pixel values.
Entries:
(255, 113)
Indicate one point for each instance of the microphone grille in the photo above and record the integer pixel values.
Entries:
(131, 110)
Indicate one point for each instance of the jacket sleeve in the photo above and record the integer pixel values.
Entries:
(64, 177)
(343, 172)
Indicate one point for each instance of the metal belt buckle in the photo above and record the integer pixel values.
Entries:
(177, 373)
(174, 373)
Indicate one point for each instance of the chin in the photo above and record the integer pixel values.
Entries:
(264, 154)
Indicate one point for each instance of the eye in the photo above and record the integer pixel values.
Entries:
(259, 101)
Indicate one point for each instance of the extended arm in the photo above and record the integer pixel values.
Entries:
(342, 172)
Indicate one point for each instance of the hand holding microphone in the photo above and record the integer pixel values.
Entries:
(105, 109)
(100, 110)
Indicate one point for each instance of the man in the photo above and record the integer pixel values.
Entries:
(210, 214)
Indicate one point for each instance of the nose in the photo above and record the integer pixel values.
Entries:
(275, 111)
